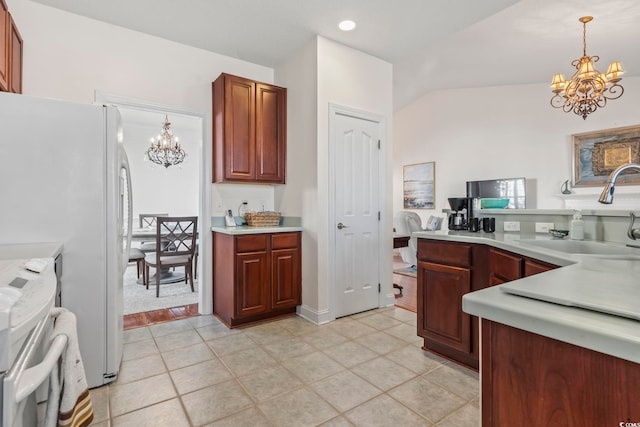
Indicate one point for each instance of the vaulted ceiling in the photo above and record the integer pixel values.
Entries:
(432, 44)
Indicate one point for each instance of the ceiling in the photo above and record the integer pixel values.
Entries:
(432, 44)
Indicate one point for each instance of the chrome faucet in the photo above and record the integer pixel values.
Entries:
(607, 196)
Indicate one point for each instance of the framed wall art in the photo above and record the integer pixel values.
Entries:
(419, 186)
(597, 154)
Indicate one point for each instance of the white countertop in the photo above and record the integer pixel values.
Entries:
(244, 229)
(609, 334)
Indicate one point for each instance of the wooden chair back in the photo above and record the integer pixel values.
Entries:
(149, 220)
(176, 236)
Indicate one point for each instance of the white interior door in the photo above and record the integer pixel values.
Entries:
(357, 178)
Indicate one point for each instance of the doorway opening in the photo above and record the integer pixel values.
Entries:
(166, 191)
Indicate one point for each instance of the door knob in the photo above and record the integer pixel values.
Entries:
(341, 226)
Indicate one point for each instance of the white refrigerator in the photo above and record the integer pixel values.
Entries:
(64, 177)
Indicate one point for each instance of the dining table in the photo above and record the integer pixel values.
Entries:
(167, 275)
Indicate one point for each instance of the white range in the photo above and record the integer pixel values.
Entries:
(26, 300)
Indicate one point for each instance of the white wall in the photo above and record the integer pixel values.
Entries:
(351, 78)
(68, 56)
(299, 74)
(499, 132)
(157, 189)
(325, 72)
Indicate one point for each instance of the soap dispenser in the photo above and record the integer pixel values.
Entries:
(576, 231)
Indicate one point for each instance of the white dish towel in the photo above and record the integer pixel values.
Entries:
(72, 407)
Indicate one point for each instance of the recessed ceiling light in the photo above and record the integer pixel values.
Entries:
(347, 25)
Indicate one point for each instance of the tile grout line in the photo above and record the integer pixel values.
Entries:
(295, 334)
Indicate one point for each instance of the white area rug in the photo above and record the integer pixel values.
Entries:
(138, 299)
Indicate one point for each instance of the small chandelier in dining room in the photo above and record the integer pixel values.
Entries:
(588, 89)
(165, 150)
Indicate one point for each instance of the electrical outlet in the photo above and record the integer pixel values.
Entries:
(512, 226)
(544, 227)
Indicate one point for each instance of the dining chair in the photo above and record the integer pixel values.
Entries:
(149, 221)
(137, 255)
(175, 247)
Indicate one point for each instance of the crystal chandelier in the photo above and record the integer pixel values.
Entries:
(163, 151)
(588, 89)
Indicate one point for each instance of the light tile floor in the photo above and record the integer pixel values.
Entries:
(363, 370)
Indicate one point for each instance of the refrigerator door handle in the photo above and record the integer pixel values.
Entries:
(124, 165)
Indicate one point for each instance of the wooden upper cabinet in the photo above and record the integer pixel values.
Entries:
(249, 131)
(271, 128)
(5, 24)
(15, 55)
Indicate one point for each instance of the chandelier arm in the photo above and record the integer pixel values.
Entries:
(568, 105)
(614, 92)
(601, 101)
(557, 101)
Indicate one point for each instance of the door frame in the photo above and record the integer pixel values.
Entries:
(385, 297)
(205, 293)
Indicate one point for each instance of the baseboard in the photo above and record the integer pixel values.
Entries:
(388, 300)
(314, 316)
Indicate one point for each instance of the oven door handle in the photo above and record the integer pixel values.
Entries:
(31, 378)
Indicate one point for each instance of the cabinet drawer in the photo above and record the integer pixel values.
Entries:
(252, 243)
(444, 252)
(284, 241)
(505, 265)
(532, 267)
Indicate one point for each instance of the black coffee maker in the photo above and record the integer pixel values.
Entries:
(461, 211)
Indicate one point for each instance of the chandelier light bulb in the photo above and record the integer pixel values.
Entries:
(588, 89)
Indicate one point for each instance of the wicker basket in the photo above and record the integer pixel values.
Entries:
(262, 219)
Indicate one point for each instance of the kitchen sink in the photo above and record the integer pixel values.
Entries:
(583, 247)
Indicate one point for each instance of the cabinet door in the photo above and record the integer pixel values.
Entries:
(15, 55)
(531, 380)
(4, 46)
(285, 278)
(252, 283)
(440, 291)
(239, 129)
(271, 128)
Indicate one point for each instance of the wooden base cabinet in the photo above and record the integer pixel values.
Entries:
(447, 271)
(506, 266)
(255, 276)
(532, 380)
